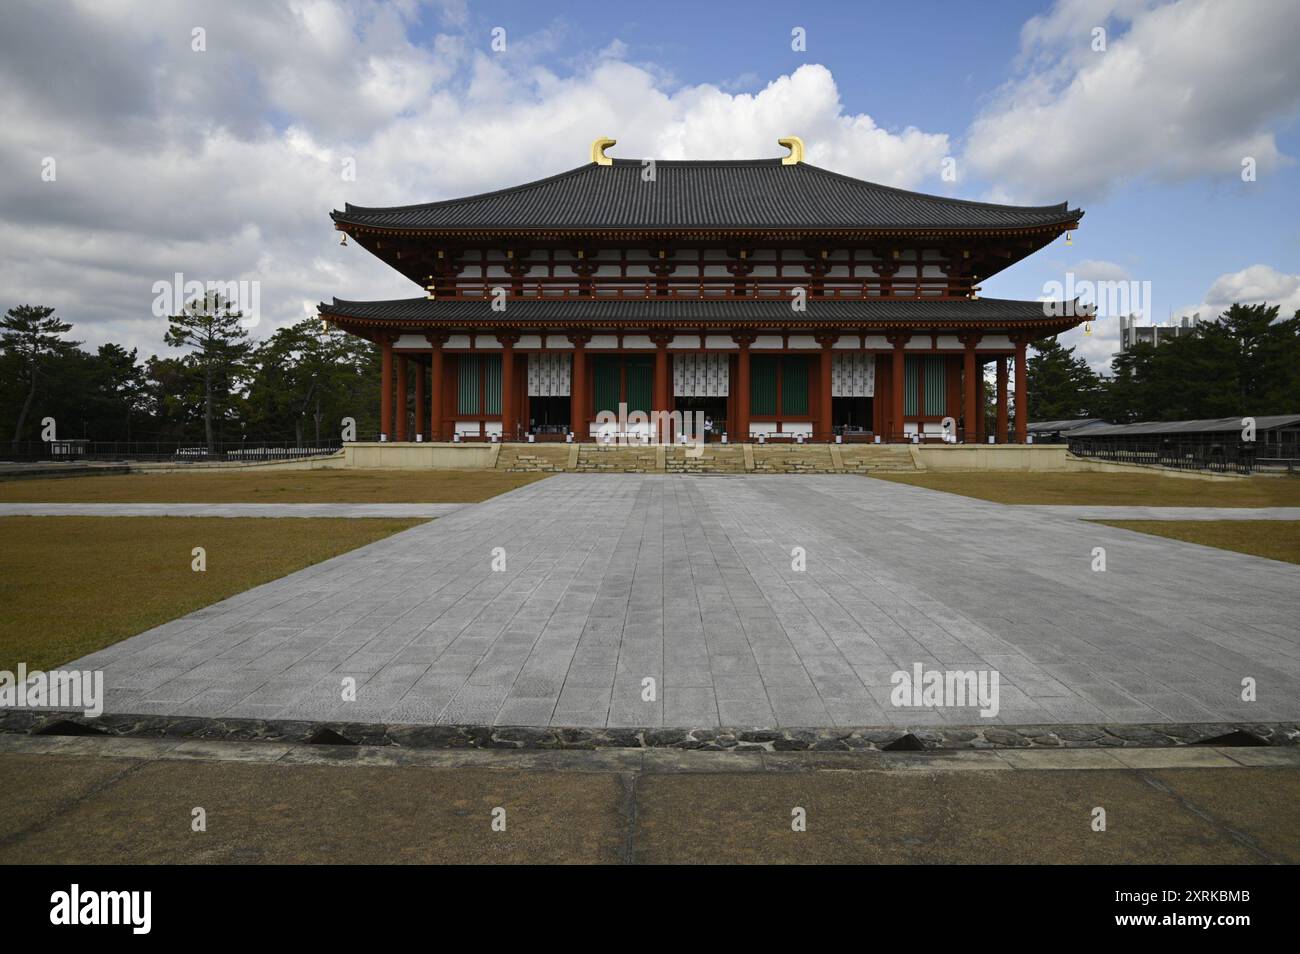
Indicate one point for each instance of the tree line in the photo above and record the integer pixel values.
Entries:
(220, 386)
(301, 382)
(1246, 362)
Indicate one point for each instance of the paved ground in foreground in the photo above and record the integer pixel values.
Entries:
(133, 803)
(610, 580)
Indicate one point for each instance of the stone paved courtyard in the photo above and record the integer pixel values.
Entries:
(612, 579)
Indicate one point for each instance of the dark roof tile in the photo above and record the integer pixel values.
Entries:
(745, 194)
(544, 311)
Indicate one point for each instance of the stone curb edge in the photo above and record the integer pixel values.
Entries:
(928, 738)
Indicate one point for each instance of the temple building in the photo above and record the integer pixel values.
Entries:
(777, 300)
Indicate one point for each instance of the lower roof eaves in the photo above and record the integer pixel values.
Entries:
(1051, 317)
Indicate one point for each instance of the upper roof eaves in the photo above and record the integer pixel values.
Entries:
(709, 194)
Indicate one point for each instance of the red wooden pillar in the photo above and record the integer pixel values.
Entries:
(436, 342)
(399, 421)
(662, 397)
(827, 402)
(417, 428)
(741, 425)
(509, 415)
(969, 387)
(1002, 399)
(386, 389)
(897, 431)
(579, 416)
(1022, 399)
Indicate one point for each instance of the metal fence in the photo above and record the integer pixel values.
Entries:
(72, 451)
(1227, 457)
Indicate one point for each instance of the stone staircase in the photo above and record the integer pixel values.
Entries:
(715, 459)
(885, 458)
(793, 459)
(534, 458)
(611, 458)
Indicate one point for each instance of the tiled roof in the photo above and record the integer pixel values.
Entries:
(1072, 425)
(731, 194)
(1217, 425)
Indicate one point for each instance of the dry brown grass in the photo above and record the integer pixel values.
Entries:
(71, 585)
(1116, 490)
(270, 486)
(1272, 539)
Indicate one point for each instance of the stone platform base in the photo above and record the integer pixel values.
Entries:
(719, 458)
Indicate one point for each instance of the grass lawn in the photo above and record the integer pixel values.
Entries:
(270, 486)
(1118, 490)
(71, 585)
(1274, 539)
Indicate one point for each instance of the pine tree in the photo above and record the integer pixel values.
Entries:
(34, 337)
(1059, 385)
(220, 345)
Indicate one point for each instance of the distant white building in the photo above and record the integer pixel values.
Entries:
(1131, 333)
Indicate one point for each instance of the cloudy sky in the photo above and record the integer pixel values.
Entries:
(211, 139)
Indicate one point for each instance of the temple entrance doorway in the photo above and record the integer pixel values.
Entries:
(707, 413)
(548, 415)
(851, 415)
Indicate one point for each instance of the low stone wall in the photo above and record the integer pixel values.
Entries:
(426, 456)
(943, 458)
(326, 462)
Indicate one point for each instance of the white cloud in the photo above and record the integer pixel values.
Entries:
(1189, 89)
(1256, 284)
(224, 165)
(1097, 270)
(1097, 348)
